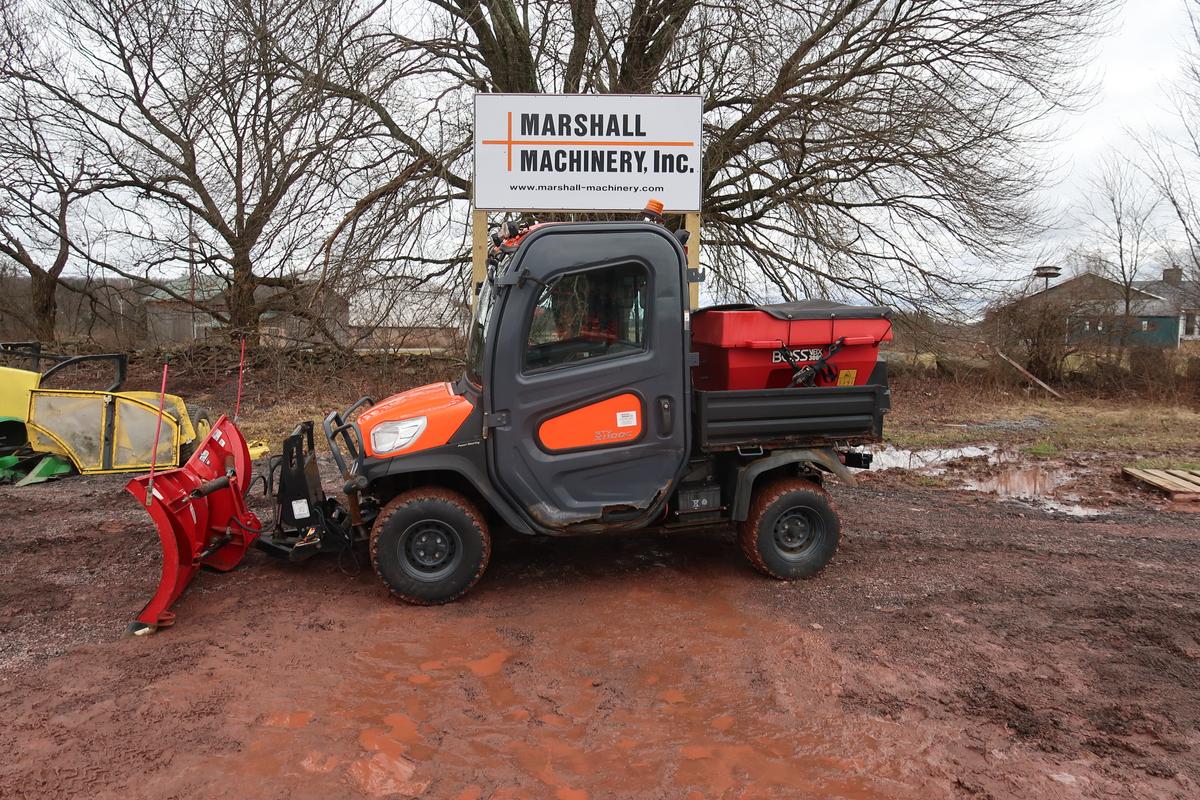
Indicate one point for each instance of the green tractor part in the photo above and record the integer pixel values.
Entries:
(25, 469)
(47, 468)
(10, 468)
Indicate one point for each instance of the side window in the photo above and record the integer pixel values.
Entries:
(586, 315)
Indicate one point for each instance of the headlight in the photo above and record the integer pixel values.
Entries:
(388, 437)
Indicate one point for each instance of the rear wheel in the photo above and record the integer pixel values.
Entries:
(792, 530)
(430, 546)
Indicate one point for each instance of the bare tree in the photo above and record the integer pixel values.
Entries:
(232, 166)
(1173, 163)
(1120, 218)
(862, 146)
(294, 147)
(45, 178)
(1037, 329)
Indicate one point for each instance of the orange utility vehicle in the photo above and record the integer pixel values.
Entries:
(593, 400)
(580, 411)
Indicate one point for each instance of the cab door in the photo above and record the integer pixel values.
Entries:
(587, 390)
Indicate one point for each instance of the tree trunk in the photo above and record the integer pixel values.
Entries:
(239, 298)
(45, 305)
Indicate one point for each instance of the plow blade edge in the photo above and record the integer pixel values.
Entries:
(201, 516)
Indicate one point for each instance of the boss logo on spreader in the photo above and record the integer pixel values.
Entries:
(807, 354)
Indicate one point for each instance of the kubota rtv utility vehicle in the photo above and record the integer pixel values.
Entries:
(589, 404)
(592, 401)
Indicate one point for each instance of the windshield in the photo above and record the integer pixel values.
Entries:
(478, 333)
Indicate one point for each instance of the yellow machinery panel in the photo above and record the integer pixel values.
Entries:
(103, 432)
(174, 406)
(15, 386)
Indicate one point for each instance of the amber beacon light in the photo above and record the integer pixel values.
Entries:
(653, 211)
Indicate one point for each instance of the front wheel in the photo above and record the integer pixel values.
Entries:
(430, 546)
(792, 530)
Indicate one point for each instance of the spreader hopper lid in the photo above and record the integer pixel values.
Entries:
(809, 309)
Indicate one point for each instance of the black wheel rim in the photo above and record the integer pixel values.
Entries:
(430, 550)
(797, 532)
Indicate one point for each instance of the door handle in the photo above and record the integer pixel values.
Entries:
(666, 416)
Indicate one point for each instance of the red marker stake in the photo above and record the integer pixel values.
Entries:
(237, 407)
(162, 402)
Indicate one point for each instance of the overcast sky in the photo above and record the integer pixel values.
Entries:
(1135, 67)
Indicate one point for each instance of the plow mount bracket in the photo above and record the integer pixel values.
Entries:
(307, 521)
(200, 512)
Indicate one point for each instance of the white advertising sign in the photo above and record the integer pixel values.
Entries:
(587, 152)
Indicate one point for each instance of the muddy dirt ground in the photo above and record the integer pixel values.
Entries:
(958, 647)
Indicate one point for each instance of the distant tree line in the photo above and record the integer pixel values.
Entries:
(306, 147)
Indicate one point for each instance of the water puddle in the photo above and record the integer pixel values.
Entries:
(1022, 482)
(931, 461)
(1014, 476)
(1037, 484)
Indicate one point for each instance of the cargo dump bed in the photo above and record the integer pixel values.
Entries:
(792, 417)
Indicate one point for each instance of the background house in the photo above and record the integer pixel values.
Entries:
(1090, 309)
(171, 318)
(411, 319)
(1180, 297)
(1084, 317)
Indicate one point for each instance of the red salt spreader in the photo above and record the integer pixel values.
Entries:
(805, 343)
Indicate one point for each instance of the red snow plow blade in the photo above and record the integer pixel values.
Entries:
(201, 515)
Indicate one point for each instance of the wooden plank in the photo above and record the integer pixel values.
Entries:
(1169, 481)
(1165, 483)
(1148, 476)
(1028, 374)
(1139, 474)
(1188, 477)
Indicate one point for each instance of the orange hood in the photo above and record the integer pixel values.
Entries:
(443, 410)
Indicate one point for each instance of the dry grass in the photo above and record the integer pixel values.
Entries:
(279, 393)
(270, 424)
(943, 414)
